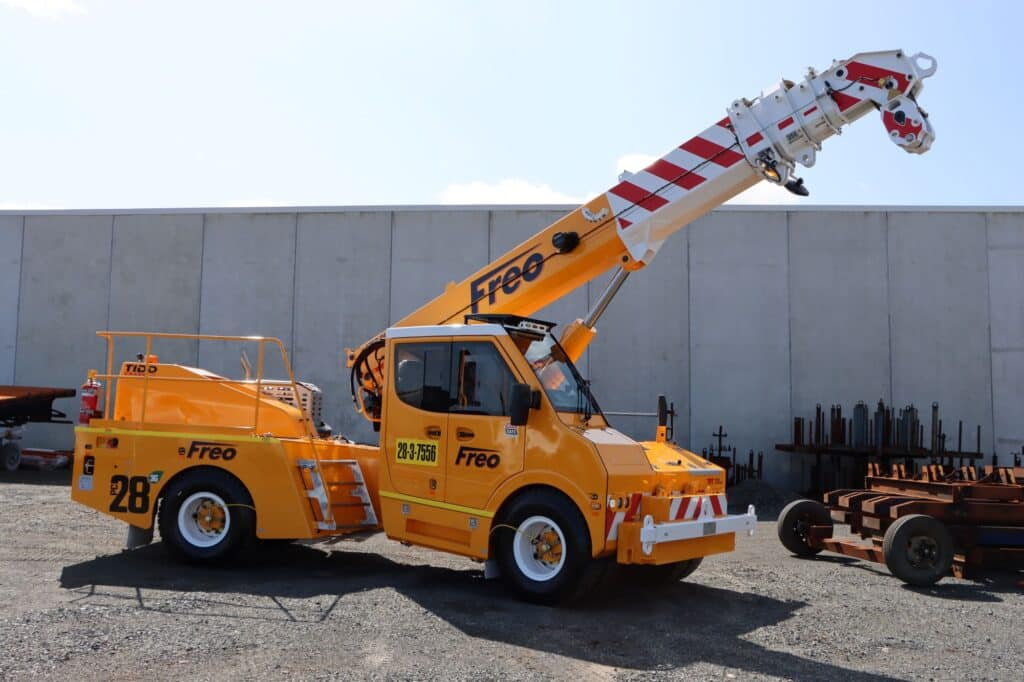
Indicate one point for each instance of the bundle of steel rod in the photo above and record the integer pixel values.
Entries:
(724, 456)
(884, 436)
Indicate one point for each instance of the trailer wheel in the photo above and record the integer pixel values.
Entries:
(543, 547)
(207, 517)
(795, 522)
(918, 549)
(11, 456)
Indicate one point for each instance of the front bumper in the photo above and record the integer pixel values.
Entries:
(652, 534)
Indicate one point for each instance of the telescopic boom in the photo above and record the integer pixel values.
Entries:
(760, 139)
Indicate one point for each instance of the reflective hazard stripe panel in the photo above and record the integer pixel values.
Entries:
(681, 508)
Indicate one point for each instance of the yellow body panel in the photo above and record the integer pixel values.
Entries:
(266, 466)
(175, 394)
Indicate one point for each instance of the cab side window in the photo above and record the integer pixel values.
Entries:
(423, 375)
(481, 380)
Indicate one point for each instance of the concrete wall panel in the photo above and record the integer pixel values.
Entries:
(155, 281)
(1005, 230)
(65, 288)
(341, 300)
(430, 249)
(642, 344)
(1006, 284)
(938, 309)
(739, 332)
(248, 286)
(1008, 397)
(10, 274)
(839, 317)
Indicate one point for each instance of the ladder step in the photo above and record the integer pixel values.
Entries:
(320, 492)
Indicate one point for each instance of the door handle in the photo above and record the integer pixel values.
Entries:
(433, 431)
(464, 434)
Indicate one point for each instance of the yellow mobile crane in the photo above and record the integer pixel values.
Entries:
(491, 444)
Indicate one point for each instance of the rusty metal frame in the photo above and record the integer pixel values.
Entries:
(974, 509)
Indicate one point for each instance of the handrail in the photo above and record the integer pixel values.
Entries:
(177, 335)
(110, 337)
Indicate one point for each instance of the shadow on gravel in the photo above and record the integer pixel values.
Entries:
(678, 626)
(36, 477)
(984, 586)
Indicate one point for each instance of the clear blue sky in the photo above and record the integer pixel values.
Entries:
(146, 104)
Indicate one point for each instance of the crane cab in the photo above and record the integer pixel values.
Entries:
(488, 425)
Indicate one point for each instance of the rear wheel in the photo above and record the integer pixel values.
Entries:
(207, 517)
(795, 523)
(543, 547)
(918, 549)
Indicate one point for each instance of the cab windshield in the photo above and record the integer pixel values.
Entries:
(565, 388)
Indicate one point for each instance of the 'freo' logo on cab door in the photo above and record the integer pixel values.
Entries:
(201, 449)
(505, 278)
(478, 458)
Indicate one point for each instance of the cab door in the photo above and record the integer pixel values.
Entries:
(416, 422)
(483, 448)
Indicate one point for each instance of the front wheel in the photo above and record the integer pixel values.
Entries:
(543, 547)
(662, 575)
(207, 517)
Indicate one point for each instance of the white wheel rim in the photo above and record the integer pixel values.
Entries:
(539, 548)
(204, 519)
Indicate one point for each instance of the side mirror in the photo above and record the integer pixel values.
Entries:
(521, 400)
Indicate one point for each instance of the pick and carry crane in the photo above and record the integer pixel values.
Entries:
(491, 443)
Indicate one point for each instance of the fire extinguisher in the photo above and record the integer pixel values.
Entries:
(91, 393)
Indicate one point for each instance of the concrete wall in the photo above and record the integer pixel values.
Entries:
(1006, 310)
(11, 230)
(749, 317)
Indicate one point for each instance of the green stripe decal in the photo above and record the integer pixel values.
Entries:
(439, 505)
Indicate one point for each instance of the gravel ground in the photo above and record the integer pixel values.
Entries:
(72, 605)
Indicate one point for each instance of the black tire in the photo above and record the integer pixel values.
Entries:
(795, 521)
(663, 575)
(575, 574)
(183, 534)
(276, 543)
(10, 456)
(918, 549)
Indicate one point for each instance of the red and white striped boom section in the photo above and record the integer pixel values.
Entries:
(765, 138)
